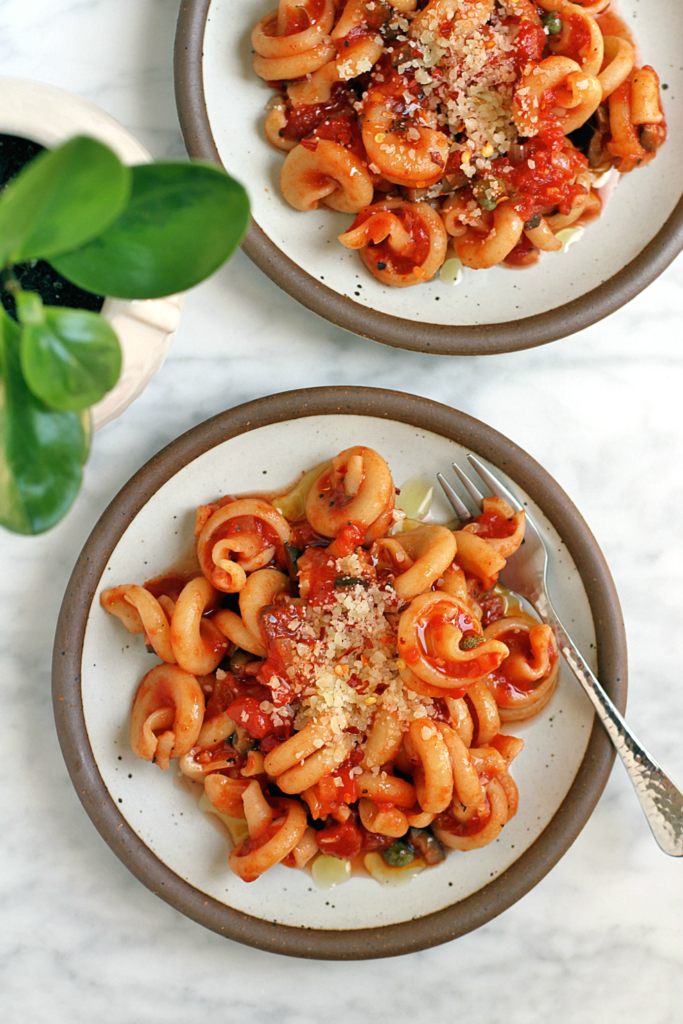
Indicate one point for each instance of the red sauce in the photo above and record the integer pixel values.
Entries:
(247, 712)
(247, 524)
(347, 540)
(307, 117)
(494, 525)
(355, 35)
(549, 182)
(342, 839)
(298, 19)
(275, 621)
(306, 537)
(331, 485)
(524, 254)
(517, 640)
(251, 525)
(317, 573)
(529, 42)
(250, 845)
(375, 840)
(464, 828)
(577, 40)
(385, 258)
(493, 607)
(433, 634)
(169, 585)
(345, 132)
(222, 695)
(237, 697)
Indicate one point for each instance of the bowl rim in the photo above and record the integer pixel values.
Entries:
(356, 944)
(439, 339)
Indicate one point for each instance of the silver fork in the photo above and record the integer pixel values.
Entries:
(526, 573)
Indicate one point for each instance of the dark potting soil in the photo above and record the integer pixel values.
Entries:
(37, 275)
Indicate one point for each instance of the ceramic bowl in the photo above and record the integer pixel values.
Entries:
(222, 105)
(145, 328)
(151, 820)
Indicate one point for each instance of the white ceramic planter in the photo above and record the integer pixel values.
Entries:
(145, 328)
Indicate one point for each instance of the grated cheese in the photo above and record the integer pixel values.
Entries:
(349, 664)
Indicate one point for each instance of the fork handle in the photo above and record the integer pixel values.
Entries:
(659, 798)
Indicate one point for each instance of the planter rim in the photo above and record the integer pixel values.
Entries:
(49, 115)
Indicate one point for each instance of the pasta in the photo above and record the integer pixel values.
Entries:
(343, 694)
(467, 129)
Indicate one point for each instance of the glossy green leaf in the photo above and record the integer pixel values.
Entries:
(62, 199)
(70, 358)
(182, 222)
(42, 451)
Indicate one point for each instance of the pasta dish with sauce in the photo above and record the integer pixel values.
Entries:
(474, 129)
(338, 678)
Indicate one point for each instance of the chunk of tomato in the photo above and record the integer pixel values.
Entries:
(343, 839)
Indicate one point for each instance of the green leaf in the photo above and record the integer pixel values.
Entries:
(183, 221)
(42, 451)
(62, 199)
(70, 358)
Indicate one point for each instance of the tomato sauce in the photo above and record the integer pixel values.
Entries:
(545, 179)
(298, 19)
(529, 43)
(345, 132)
(493, 607)
(576, 41)
(317, 573)
(341, 839)
(493, 525)
(433, 635)
(280, 628)
(384, 257)
(518, 642)
(169, 585)
(306, 537)
(470, 827)
(305, 118)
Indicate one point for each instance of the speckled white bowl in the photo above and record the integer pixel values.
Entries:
(151, 819)
(145, 328)
(222, 106)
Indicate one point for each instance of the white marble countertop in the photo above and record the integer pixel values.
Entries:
(601, 938)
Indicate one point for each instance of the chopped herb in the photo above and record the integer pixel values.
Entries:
(351, 581)
(470, 641)
(398, 854)
(488, 192)
(291, 557)
(533, 223)
(553, 22)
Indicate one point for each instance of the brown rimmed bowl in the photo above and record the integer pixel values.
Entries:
(221, 106)
(150, 818)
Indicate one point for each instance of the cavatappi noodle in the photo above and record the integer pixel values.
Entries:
(336, 676)
(473, 129)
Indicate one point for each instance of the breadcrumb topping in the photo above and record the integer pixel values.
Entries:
(468, 73)
(344, 659)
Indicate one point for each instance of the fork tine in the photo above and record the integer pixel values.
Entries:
(474, 493)
(461, 510)
(493, 483)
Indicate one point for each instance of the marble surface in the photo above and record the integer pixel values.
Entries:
(601, 938)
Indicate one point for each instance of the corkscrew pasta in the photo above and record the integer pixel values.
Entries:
(336, 677)
(472, 129)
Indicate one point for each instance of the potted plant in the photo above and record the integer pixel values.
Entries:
(137, 233)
